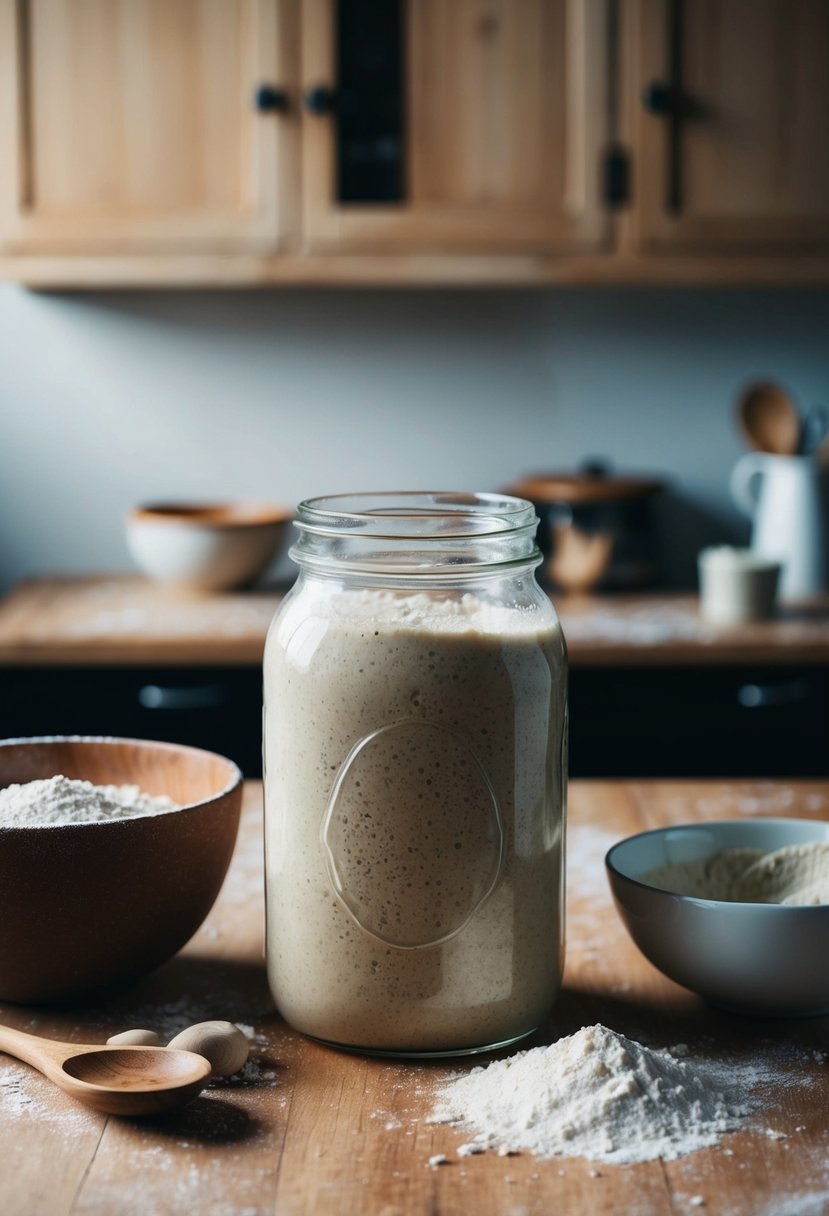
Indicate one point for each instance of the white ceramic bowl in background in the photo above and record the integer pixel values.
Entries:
(760, 959)
(206, 546)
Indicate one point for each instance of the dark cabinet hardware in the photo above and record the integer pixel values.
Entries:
(659, 98)
(773, 696)
(320, 100)
(268, 99)
(171, 697)
(616, 176)
(615, 184)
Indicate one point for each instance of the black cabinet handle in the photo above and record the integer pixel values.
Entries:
(269, 100)
(773, 696)
(166, 697)
(320, 100)
(658, 98)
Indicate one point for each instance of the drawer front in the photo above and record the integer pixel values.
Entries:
(699, 722)
(216, 708)
(624, 722)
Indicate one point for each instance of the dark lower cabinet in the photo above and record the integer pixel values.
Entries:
(624, 722)
(699, 722)
(217, 708)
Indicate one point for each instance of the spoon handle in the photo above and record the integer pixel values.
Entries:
(43, 1054)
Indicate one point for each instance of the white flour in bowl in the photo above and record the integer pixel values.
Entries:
(599, 1095)
(57, 801)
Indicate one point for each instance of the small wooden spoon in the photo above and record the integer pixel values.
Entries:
(769, 419)
(115, 1080)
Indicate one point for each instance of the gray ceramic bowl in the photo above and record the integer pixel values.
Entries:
(760, 959)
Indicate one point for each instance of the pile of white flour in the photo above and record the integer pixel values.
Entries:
(57, 801)
(796, 874)
(597, 1095)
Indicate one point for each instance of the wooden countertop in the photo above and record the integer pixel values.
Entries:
(314, 1131)
(106, 620)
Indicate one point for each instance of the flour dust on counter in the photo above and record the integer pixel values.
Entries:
(590, 930)
(758, 798)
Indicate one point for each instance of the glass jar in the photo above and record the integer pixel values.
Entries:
(415, 776)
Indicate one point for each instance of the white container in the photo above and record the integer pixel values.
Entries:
(787, 497)
(736, 585)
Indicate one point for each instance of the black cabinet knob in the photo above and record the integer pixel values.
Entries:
(320, 100)
(659, 98)
(268, 99)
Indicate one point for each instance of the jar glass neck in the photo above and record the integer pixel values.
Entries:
(415, 534)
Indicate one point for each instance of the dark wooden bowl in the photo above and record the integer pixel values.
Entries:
(86, 908)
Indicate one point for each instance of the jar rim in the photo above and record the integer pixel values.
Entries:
(416, 531)
(393, 514)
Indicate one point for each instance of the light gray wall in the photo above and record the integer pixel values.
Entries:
(111, 399)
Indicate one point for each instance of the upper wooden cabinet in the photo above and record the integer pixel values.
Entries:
(413, 141)
(499, 138)
(730, 107)
(131, 126)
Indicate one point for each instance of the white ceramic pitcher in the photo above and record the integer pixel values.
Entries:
(787, 497)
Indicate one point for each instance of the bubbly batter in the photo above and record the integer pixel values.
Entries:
(414, 787)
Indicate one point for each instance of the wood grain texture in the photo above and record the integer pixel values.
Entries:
(117, 1080)
(396, 270)
(134, 126)
(310, 1130)
(98, 620)
(131, 156)
(754, 159)
(505, 120)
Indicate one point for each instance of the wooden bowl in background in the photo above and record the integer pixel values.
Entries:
(85, 908)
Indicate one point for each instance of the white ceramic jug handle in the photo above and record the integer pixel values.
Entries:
(744, 477)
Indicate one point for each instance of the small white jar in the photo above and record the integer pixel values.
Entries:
(737, 585)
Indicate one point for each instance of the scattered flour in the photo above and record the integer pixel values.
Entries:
(58, 801)
(796, 874)
(600, 1096)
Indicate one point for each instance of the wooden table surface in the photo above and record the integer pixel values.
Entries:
(310, 1130)
(100, 620)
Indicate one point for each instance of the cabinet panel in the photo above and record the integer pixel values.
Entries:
(216, 708)
(729, 107)
(624, 722)
(503, 116)
(136, 124)
(699, 722)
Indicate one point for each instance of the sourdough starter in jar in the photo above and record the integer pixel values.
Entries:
(414, 785)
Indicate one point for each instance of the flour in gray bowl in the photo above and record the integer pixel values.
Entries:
(796, 874)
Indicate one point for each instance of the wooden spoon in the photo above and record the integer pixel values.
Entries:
(769, 418)
(115, 1080)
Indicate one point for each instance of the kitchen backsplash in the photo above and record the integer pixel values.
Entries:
(111, 399)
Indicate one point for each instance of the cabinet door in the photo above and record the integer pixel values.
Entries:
(132, 126)
(493, 141)
(731, 99)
